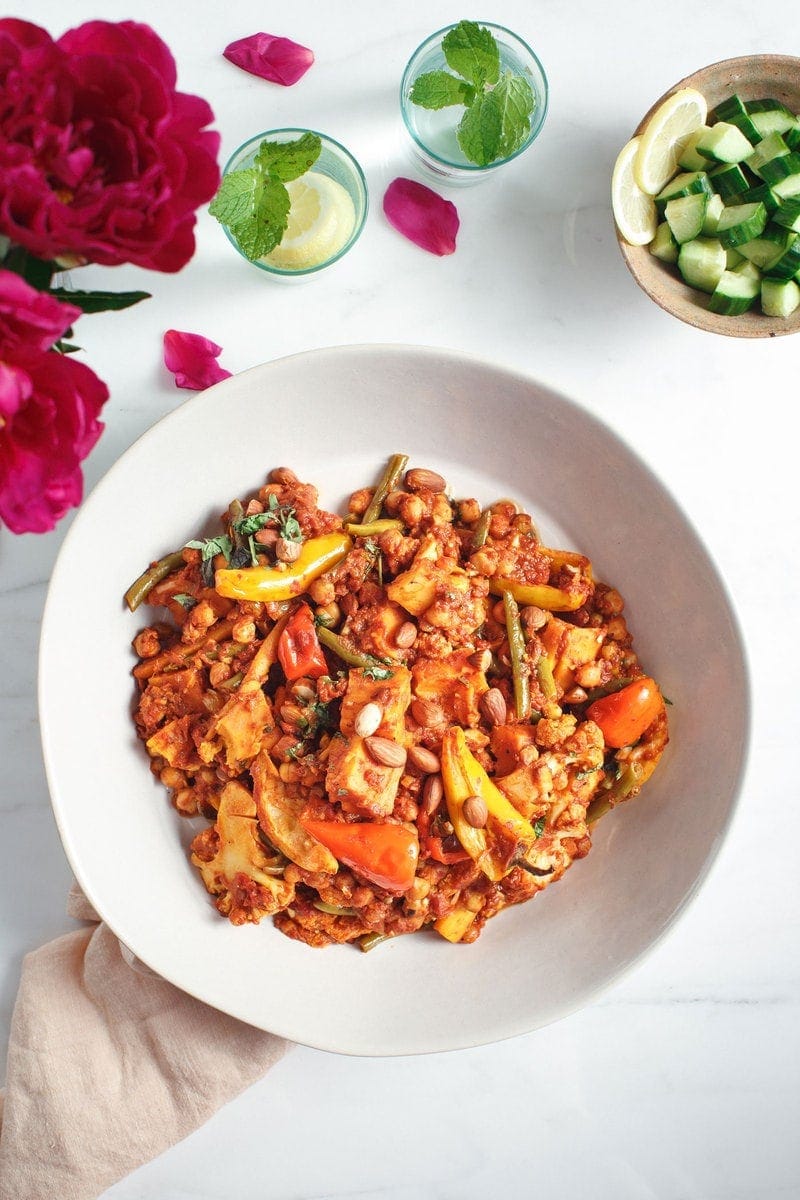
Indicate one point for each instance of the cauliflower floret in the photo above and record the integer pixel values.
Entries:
(233, 862)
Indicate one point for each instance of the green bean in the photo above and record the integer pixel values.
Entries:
(374, 528)
(370, 940)
(335, 910)
(387, 483)
(544, 674)
(141, 588)
(519, 665)
(232, 682)
(482, 529)
(620, 789)
(608, 689)
(345, 651)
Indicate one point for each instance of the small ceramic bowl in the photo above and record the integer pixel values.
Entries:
(752, 77)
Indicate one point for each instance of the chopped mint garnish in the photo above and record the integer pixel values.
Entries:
(538, 827)
(209, 548)
(254, 204)
(185, 600)
(498, 107)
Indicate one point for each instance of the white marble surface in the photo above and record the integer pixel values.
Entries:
(682, 1081)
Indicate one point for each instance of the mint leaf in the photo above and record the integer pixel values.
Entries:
(480, 131)
(185, 600)
(263, 230)
(538, 827)
(515, 101)
(439, 89)
(235, 200)
(288, 160)
(472, 52)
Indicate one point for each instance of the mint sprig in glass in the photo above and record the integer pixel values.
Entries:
(473, 97)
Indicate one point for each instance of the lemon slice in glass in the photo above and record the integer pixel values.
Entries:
(664, 136)
(321, 219)
(634, 210)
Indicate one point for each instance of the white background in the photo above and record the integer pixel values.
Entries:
(681, 1082)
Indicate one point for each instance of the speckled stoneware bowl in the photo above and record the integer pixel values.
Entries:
(753, 76)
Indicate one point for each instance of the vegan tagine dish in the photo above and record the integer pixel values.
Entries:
(406, 718)
(717, 196)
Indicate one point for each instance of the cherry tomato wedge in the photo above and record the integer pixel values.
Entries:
(299, 651)
(384, 854)
(625, 715)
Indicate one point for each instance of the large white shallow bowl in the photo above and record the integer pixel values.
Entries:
(335, 416)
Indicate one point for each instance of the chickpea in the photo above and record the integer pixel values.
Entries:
(359, 501)
(468, 511)
(322, 591)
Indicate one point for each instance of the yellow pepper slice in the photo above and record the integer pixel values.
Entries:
(541, 594)
(317, 555)
(506, 831)
(455, 924)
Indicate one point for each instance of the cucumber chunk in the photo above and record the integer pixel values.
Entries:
(788, 187)
(734, 294)
(788, 215)
(685, 216)
(729, 181)
(788, 264)
(664, 245)
(764, 193)
(714, 210)
(689, 159)
(773, 146)
(686, 184)
(724, 143)
(779, 298)
(776, 120)
(779, 168)
(792, 138)
(734, 112)
(741, 223)
(766, 250)
(702, 263)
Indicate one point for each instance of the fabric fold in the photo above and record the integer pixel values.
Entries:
(109, 1065)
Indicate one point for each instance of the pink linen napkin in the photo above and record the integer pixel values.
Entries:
(109, 1065)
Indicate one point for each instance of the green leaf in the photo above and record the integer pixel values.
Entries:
(185, 600)
(289, 160)
(95, 302)
(35, 271)
(480, 130)
(263, 230)
(515, 101)
(235, 200)
(440, 89)
(472, 52)
(66, 347)
(538, 827)
(209, 547)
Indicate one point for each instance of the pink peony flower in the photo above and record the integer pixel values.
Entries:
(421, 215)
(101, 159)
(49, 409)
(192, 360)
(277, 59)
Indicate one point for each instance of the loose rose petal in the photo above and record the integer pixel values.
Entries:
(422, 215)
(275, 58)
(193, 360)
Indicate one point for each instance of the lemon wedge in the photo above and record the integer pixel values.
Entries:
(664, 137)
(322, 217)
(634, 210)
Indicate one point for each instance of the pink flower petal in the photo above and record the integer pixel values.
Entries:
(421, 215)
(193, 360)
(275, 58)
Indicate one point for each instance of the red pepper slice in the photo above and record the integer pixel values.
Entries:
(299, 651)
(625, 715)
(384, 854)
(443, 850)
